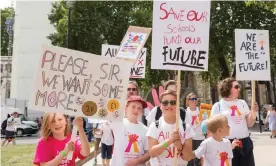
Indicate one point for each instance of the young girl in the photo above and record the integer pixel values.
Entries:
(272, 122)
(54, 146)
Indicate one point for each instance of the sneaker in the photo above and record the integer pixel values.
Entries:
(95, 161)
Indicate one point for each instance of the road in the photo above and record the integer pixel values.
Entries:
(26, 140)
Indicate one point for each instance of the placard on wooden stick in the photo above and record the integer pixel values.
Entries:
(180, 39)
(80, 84)
(132, 43)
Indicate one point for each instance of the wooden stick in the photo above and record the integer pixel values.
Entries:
(73, 139)
(253, 96)
(177, 110)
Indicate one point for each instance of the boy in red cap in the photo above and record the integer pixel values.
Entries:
(131, 147)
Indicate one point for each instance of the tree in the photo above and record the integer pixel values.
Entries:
(5, 13)
(97, 22)
(94, 23)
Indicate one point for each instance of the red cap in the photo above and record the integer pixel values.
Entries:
(139, 99)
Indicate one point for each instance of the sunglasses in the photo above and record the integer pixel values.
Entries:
(237, 86)
(193, 99)
(167, 102)
(131, 89)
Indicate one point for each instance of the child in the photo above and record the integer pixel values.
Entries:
(107, 142)
(54, 146)
(216, 149)
(272, 122)
(130, 147)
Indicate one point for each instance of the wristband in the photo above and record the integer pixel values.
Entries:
(63, 153)
(165, 145)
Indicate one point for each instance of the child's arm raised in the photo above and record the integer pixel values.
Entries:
(85, 149)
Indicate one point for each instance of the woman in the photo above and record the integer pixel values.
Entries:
(162, 136)
(192, 113)
(269, 109)
(240, 118)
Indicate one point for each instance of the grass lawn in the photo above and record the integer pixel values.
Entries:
(19, 155)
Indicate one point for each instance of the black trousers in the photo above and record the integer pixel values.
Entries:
(244, 156)
(195, 161)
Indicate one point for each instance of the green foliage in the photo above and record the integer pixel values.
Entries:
(5, 13)
(94, 23)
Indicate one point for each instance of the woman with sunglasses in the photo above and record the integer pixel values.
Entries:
(240, 117)
(192, 112)
(163, 137)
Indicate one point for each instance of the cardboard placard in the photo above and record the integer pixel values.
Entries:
(252, 55)
(180, 37)
(138, 69)
(205, 111)
(80, 84)
(133, 42)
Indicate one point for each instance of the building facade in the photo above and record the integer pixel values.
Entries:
(6, 69)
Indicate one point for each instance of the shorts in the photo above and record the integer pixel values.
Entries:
(10, 134)
(97, 143)
(195, 161)
(106, 151)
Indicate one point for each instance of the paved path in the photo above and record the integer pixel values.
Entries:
(264, 150)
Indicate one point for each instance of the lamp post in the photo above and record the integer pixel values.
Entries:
(69, 5)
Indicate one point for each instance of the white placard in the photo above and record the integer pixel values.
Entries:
(133, 42)
(80, 84)
(138, 70)
(180, 36)
(252, 54)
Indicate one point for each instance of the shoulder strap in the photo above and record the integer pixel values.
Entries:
(219, 106)
(157, 123)
(183, 116)
(158, 113)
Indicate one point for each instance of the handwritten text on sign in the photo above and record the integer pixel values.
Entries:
(80, 84)
(138, 70)
(180, 35)
(252, 54)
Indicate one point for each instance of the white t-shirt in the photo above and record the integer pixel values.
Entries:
(215, 153)
(151, 116)
(193, 121)
(124, 149)
(107, 137)
(11, 124)
(162, 133)
(235, 111)
(97, 133)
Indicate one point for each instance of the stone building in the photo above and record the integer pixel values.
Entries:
(6, 69)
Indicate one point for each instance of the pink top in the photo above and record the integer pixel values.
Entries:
(47, 150)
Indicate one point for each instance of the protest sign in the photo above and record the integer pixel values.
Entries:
(205, 111)
(138, 69)
(252, 54)
(80, 84)
(133, 42)
(180, 38)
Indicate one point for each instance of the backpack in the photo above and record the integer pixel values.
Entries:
(182, 116)
(4, 125)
